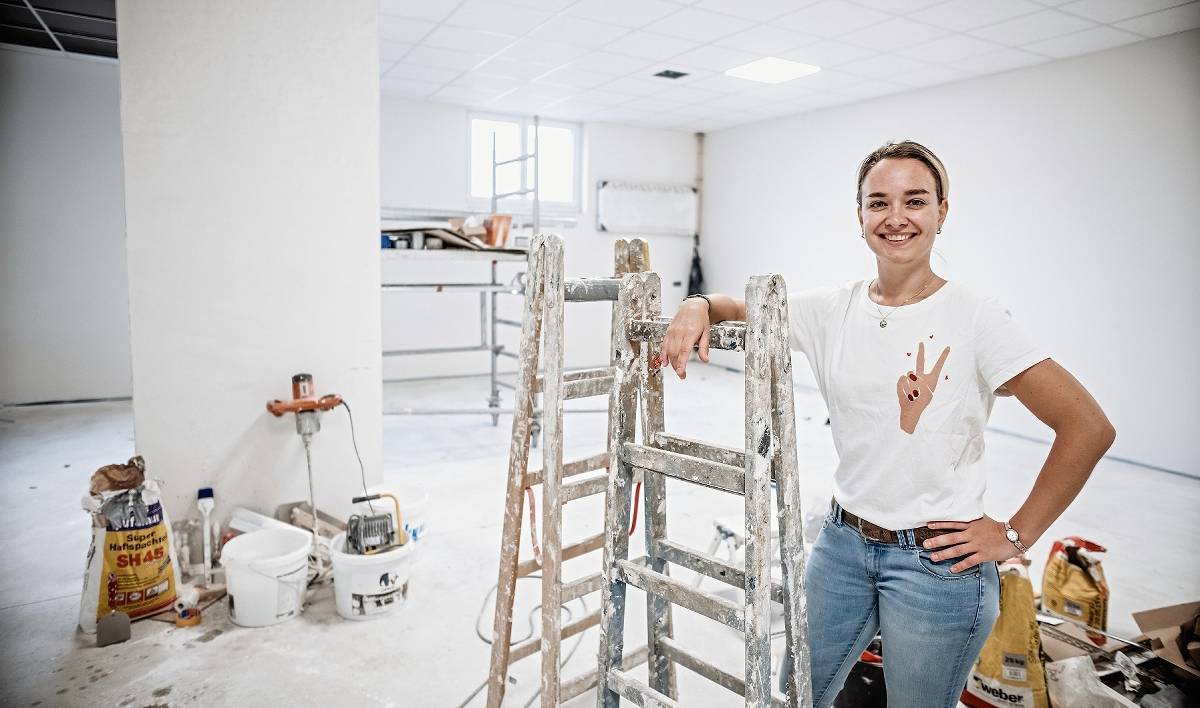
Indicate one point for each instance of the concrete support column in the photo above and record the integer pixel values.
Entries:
(251, 146)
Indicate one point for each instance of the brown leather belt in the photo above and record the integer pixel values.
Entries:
(877, 533)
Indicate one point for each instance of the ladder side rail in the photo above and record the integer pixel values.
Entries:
(788, 505)
(552, 458)
(659, 623)
(622, 409)
(760, 446)
(518, 456)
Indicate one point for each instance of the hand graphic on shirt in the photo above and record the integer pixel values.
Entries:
(915, 389)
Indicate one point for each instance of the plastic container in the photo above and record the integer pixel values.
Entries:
(266, 573)
(365, 587)
(414, 505)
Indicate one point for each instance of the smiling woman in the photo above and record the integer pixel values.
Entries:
(907, 549)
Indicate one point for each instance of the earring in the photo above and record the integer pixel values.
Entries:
(864, 234)
(939, 230)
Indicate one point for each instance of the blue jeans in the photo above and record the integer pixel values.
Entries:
(933, 622)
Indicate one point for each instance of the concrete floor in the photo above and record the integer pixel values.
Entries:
(426, 653)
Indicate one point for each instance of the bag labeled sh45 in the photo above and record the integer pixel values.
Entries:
(131, 565)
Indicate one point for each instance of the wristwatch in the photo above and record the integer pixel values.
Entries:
(1014, 537)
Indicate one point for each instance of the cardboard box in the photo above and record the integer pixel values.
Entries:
(1161, 626)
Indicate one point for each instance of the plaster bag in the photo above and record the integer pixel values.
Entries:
(1009, 670)
(1074, 586)
(1073, 683)
(131, 566)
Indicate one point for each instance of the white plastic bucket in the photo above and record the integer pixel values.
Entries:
(369, 586)
(414, 505)
(266, 573)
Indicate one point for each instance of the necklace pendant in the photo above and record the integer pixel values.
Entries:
(882, 324)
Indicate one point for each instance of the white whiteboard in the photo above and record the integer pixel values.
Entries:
(637, 209)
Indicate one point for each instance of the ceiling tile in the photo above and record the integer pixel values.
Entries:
(496, 16)
(826, 80)
(544, 52)
(540, 95)
(948, 49)
(547, 5)
(787, 91)
(627, 13)
(759, 10)
(687, 94)
(574, 77)
(934, 75)
(698, 25)
(605, 97)
(830, 18)
(828, 53)
(767, 39)
(1033, 28)
(464, 95)
(721, 83)
(1159, 24)
(609, 63)
(434, 10)
(881, 66)
(898, 7)
(490, 84)
(403, 29)
(404, 70)
(432, 56)
(408, 87)
(715, 58)
(650, 45)
(632, 86)
(393, 51)
(962, 15)
(508, 67)
(1053, 3)
(468, 40)
(652, 104)
(618, 115)
(1090, 40)
(1109, 11)
(1000, 60)
(892, 32)
(871, 89)
(576, 30)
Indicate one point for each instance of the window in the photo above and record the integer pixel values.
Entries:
(559, 172)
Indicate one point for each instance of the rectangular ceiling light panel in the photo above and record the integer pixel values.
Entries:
(772, 70)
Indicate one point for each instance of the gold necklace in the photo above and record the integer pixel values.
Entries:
(883, 317)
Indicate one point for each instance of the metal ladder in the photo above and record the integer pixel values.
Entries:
(769, 455)
(546, 292)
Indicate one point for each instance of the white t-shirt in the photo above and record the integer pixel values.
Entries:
(910, 450)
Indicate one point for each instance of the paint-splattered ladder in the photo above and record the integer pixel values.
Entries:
(769, 455)
(545, 294)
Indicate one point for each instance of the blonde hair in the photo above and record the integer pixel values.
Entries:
(906, 149)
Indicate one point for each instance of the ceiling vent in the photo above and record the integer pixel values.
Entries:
(671, 74)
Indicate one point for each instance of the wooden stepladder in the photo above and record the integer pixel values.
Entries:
(769, 455)
(545, 294)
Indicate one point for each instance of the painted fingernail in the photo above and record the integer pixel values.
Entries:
(910, 397)
(916, 393)
(912, 376)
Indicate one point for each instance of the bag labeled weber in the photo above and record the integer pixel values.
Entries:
(1009, 669)
(1074, 587)
(131, 565)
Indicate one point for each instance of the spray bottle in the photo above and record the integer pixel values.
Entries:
(205, 503)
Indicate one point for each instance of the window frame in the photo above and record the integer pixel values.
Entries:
(525, 123)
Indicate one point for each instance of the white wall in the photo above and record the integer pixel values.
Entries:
(64, 315)
(424, 154)
(251, 137)
(1072, 193)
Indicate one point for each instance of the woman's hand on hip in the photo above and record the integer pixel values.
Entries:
(688, 328)
(980, 541)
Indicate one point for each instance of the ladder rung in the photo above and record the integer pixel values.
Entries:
(633, 690)
(711, 566)
(598, 461)
(568, 552)
(685, 467)
(540, 381)
(591, 289)
(681, 594)
(696, 448)
(730, 336)
(587, 680)
(713, 673)
(578, 588)
(586, 388)
(583, 488)
(534, 644)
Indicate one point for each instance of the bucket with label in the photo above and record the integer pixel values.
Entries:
(366, 586)
(266, 573)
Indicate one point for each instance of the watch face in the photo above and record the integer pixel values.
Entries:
(1012, 535)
